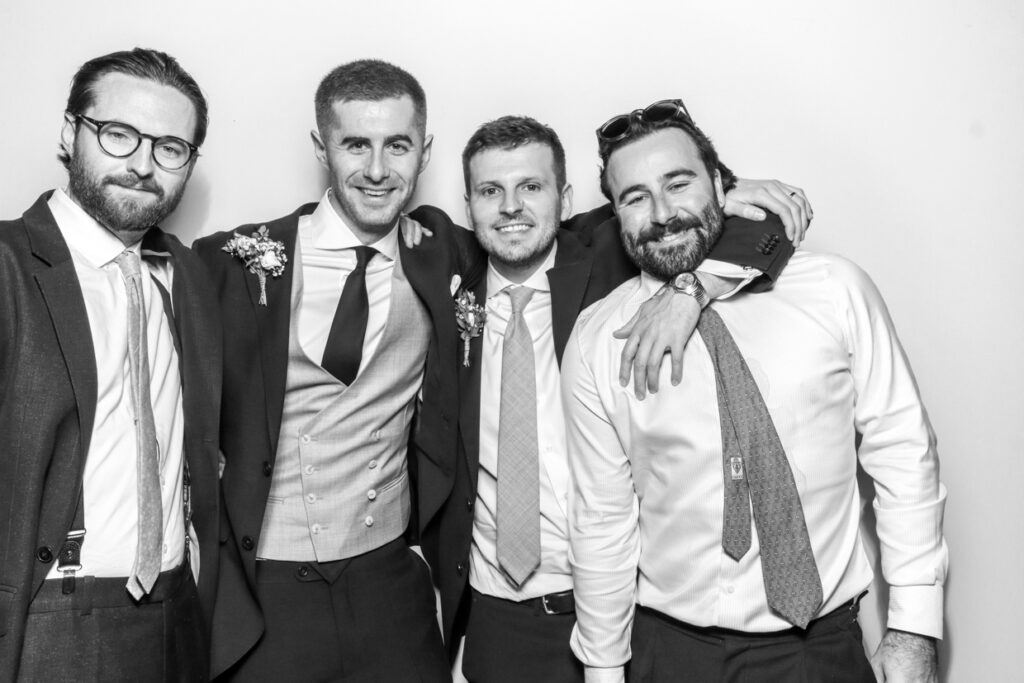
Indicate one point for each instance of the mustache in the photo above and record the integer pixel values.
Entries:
(653, 233)
(134, 182)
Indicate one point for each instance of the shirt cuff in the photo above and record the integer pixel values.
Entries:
(594, 674)
(916, 609)
(742, 275)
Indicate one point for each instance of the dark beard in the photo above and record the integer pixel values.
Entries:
(124, 216)
(665, 262)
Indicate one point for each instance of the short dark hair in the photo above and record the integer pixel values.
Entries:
(368, 80)
(510, 132)
(640, 129)
(142, 63)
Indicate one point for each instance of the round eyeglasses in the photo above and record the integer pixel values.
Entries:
(617, 127)
(121, 140)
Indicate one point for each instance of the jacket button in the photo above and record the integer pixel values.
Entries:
(44, 554)
(469, 504)
(267, 469)
(303, 571)
(247, 543)
(459, 568)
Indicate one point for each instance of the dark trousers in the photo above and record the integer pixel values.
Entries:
(366, 618)
(829, 651)
(509, 642)
(99, 633)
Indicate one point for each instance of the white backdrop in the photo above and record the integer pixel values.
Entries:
(902, 120)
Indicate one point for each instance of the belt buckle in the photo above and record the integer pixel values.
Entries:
(547, 609)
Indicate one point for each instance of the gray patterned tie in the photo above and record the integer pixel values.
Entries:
(754, 460)
(518, 514)
(151, 523)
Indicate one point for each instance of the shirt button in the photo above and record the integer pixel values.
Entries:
(309, 469)
(730, 589)
(315, 528)
(311, 498)
(305, 438)
(371, 494)
(165, 548)
(369, 520)
(373, 464)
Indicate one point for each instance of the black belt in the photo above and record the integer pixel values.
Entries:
(551, 604)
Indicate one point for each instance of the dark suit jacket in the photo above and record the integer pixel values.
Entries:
(256, 364)
(589, 263)
(48, 393)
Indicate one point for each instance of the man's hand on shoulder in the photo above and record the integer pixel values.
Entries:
(904, 657)
(751, 198)
(412, 231)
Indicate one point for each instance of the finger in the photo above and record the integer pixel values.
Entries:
(427, 232)
(804, 211)
(643, 353)
(626, 359)
(627, 329)
(734, 207)
(677, 363)
(654, 369)
(776, 198)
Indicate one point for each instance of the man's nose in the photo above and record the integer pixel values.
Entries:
(140, 162)
(377, 169)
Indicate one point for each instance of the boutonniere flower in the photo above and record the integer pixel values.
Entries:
(470, 316)
(260, 255)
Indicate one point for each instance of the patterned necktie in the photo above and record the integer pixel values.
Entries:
(518, 514)
(791, 579)
(151, 522)
(344, 350)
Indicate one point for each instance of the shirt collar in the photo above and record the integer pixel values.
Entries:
(649, 284)
(496, 282)
(329, 231)
(84, 234)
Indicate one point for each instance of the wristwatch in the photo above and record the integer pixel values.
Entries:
(687, 283)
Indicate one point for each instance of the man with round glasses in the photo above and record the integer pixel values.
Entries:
(110, 353)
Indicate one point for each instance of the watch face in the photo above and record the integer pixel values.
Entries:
(685, 279)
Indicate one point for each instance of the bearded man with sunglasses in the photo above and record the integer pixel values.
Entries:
(110, 362)
(715, 527)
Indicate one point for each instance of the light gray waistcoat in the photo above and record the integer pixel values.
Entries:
(340, 486)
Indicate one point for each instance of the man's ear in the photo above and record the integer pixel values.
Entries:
(68, 132)
(319, 149)
(566, 202)
(428, 143)
(719, 192)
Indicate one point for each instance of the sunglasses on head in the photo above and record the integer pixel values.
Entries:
(618, 127)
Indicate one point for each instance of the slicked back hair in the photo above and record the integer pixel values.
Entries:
(144, 63)
(640, 129)
(368, 80)
(511, 132)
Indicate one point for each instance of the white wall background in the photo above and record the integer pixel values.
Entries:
(904, 121)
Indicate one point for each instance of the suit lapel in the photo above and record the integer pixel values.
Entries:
(469, 392)
(273, 321)
(63, 296)
(568, 281)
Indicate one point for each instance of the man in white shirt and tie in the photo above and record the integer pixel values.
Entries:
(109, 388)
(504, 525)
(715, 526)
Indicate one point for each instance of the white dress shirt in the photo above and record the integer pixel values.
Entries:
(553, 573)
(647, 500)
(110, 476)
(327, 257)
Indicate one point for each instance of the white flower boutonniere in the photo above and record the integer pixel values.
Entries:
(260, 255)
(470, 316)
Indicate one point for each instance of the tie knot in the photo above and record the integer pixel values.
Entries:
(363, 256)
(520, 296)
(128, 262)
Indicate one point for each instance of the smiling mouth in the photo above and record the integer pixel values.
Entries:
(513, 227)
(374, 193)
